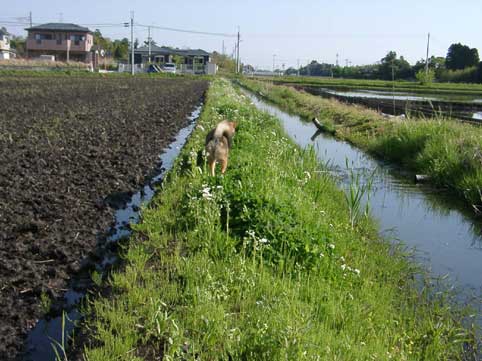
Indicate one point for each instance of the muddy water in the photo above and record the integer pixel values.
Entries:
(41, 339)
(445, 238)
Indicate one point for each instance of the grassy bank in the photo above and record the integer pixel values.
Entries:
(263, 264)
(401, 85)
(448, 151)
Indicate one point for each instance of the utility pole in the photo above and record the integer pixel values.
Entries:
(31, 24)
(426, 59)
(69, 43)
(132, 42)
(298, 60)
(223, 48)
(274, 60)
(337, 63)
(149, 42)
(393, 85)
(237, 54)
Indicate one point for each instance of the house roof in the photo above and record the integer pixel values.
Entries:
(164, 50)
(60, 27)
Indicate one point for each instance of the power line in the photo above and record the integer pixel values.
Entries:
(188, 31)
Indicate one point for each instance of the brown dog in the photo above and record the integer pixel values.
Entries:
(218, 142)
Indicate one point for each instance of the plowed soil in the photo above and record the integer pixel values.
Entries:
(67, 144)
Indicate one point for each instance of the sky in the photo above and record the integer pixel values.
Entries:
(288, 32)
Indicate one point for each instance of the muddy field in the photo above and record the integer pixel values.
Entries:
(70, 146)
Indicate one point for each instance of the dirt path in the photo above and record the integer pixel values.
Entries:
(66, 144)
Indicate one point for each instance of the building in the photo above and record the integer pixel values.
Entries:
(191, 61)
(5, 51)
(64, 41)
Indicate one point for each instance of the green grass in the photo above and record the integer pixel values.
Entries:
(450, 152)
(263, 264)
(400, 85)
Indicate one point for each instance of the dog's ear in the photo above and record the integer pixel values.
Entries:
(235, 124)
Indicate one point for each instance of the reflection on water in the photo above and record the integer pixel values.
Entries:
(446, 240)
(397, 102)
(401, 95)
(378, 95)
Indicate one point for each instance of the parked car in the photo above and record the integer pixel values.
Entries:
(169, 68)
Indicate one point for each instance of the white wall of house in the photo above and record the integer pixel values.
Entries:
(4, 47)
(211, 68)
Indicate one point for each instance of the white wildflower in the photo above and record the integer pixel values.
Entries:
(357, 271)
(343, 267)
(206, 192)
(263, 240)
(331, 245)
(308, 175)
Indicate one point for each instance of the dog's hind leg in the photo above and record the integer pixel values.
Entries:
(212, 167)
(224, 165)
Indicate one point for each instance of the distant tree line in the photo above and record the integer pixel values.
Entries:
(462, 64)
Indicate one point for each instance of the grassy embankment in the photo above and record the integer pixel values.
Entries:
(448, 151)
(263, 264)
(449, 89)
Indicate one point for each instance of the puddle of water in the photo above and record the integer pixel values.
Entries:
(446, 239)
(40, 340)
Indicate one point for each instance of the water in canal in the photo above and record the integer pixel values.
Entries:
(445, 237)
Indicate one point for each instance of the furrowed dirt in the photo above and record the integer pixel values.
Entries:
(69, 147)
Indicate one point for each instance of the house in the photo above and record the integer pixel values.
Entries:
(4, 45)
(193, 61)
(64, 41)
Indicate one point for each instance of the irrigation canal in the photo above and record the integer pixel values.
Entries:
(446, 238)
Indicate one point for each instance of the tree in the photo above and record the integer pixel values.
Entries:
(478, 76)
(178, 60)
(146, 42)
(425, 78)
(400, 67)
(121, 49)
(18, 43)
(461, 56)
(224, 62)
(291, 71)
